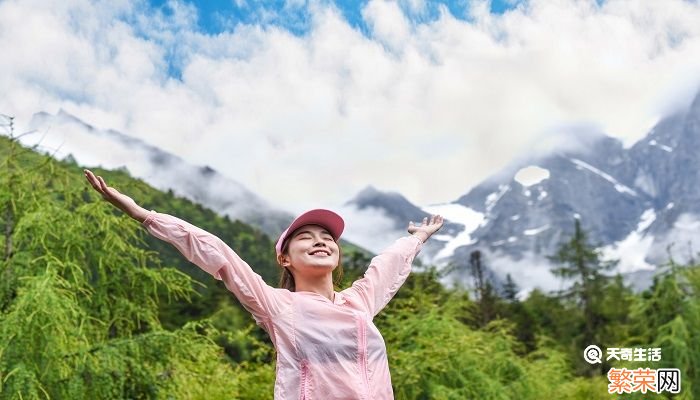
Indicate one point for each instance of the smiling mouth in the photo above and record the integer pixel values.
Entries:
(320, 252)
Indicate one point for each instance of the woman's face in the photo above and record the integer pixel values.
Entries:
(311, 251)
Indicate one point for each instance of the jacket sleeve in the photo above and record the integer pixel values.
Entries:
(213, 256)
(385, 274)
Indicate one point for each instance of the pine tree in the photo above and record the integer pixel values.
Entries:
(668, 317)
(510, 289)
(485, 295)
(582, 264)
(79, 298)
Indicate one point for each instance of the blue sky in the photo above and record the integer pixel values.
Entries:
(216, 16)
(449, 91)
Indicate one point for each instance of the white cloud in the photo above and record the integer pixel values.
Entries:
(529, 272)
(681, 243)
(427, 109)
(369, 228)
(388, 23)
(415, 6)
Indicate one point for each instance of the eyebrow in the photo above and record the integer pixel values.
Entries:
(309, 232)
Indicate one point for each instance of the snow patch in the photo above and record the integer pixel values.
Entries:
(669, 206)
(648, 217)
(502, 242)
(687, 223)
(459, 214)
(442, 238)
(618, 186)
(542, 195)
(632, 250)
(531, 175)
(660, 146)
(535, 231)
(493, 198)
(680, 242)
(515, 217)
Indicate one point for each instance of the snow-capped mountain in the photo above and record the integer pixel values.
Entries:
(633, 202)
(636, 203)
(398, 210)
(66, 135)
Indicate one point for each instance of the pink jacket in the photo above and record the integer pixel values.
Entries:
(325, 350)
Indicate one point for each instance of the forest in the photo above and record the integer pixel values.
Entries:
(92, 307)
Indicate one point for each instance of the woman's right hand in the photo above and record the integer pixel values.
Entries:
(119, 200)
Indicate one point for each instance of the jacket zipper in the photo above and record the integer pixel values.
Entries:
(304, 378)
(363, 355)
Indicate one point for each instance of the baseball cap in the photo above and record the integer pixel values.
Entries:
(319, 216)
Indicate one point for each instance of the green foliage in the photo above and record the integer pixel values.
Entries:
(582, 264)
(93, 307)
(80, 299)
(667, 316)
(435, 355)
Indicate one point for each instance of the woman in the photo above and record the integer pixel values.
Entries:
(327, 346)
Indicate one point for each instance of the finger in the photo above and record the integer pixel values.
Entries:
(425, 221)
(438, 220)
(93, 181)
(107, 191)
(103, 184)
(90, 177)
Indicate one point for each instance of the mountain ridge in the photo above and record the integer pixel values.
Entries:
(203, 184)
(629, 200)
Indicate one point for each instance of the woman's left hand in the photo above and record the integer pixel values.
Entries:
(427, 228)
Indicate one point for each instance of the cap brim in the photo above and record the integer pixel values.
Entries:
(326, 218)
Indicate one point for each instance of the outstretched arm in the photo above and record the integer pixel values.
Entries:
(201, 248)
(118, 199)
(389, 270)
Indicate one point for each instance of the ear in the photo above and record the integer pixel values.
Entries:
(283, 260)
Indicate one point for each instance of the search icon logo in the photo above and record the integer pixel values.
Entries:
(593, 354)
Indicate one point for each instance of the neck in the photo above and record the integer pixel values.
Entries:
(321, 285)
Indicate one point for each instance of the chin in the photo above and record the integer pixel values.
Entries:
(329, 266)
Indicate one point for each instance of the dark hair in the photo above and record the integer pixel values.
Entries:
(287, 279)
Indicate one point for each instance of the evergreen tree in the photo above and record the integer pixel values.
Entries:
(79, 301)
(581, 264)
(668, 317)
(434, 355)
(84, 309)
(485, 295)
(510, 289)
